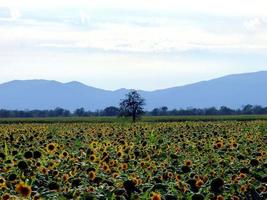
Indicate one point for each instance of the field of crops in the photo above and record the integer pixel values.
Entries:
(179, 160)
(197, 118)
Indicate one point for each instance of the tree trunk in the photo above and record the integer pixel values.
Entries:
(134, 116)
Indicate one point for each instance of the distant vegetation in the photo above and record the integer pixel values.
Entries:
(115, 111)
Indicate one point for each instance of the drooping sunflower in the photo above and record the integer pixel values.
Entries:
(12, 177)
(28, 155)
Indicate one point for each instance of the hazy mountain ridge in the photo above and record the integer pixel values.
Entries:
(232, 91)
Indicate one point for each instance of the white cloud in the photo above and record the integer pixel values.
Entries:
(226, 7)
(101, 42)
(131, 38)
(256, 24)
(84, 17)
(14, 13)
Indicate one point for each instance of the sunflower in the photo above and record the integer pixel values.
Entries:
(120, 153)
(2, 182)
(55, 173)
(105, 167)
(64, 154)
(178, 178)
(235, 178)
(188, 163)
(155, 196)
(43, 170)
(233, 145)
(105, 154)
(92, 158)
(112, 163)
(37, 197)
(12, 177)
(170, 175)
(234, 197)
(65, 177)
(242, 175)
(53, 186)
(184, 189)
(92, 175)
(243, 188)
(213, 173)
(6, 196)
(37, 154)
(142, 164)
(132, 156)
(51, 148)
(124, 166)
(28, 155)
(115, 174)
(217, 185)
(90, 189)
(219, 197)
(199, 183)
(22, 165)
(134, 181)
(24, 190)
(218, 145)
(148, 158)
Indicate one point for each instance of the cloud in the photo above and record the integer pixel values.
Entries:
(256, 23)
(84, 17)
(4, 13)
(14, 13)
(9, 13)
(226, 7)
(128, 37)
(82, 27)
(103, 38)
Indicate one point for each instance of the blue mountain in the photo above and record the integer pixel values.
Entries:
(233, 91)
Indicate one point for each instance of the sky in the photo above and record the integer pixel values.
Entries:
(139, 44)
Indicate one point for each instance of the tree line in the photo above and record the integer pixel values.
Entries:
(117, 111)
(132, 106)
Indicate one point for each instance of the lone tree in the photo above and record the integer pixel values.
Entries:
(132, 105)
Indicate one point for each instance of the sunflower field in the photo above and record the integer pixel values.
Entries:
(168, 161)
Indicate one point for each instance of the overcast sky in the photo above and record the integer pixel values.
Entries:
(131, 44)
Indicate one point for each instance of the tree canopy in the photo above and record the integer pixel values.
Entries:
(132, 105)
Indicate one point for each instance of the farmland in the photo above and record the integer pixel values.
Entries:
(197, 118)
(219, 159)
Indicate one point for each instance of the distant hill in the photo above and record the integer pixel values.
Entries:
(233, 91)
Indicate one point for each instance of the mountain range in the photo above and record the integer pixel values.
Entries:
(233, 91)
